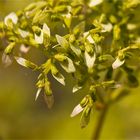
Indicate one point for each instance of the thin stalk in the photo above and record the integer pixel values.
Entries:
(100, 123)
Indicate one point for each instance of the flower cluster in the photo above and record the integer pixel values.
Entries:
(94, 41)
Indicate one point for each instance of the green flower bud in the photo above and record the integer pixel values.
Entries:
(10, 48)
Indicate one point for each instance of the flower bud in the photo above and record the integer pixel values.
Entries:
(9, 48)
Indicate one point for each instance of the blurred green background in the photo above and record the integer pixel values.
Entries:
(23, 118)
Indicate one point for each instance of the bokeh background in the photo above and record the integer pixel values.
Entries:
(23, 118)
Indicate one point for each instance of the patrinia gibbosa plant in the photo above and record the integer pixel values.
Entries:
(95, 41)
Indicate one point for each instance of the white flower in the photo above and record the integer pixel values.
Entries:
(37, 94)
(61, 41)
(39, 38)
(46, 29)
(23, 33)
(107, 27)
(77, 110)
(95, 2)
(24, 49)
(60, 78)
(89, 38)
(90, 60)
(117, 63)
(11, 16)
(76, 88)
(76, 50)
(69, 67)
(21, 61)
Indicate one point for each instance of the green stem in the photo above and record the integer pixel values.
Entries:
(100, 123)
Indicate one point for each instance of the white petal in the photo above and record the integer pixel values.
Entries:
(37, 94)
(90, 60)
(24, 49)
(107, 27)
(11, 16)
(89, 38)
(70, 68)
(60, 78)
(21, 61)
(61, 41)
(39, 39)
(117, 63)
(95, 2)
(76, 110)
(76, 88)
(75, 49)
(46, 29)
(6, 60)
(23, 33)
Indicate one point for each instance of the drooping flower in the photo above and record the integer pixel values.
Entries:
(39, 38)
(23, 33)
(117, 63)
(21, 61)
(60, 78)
(89, 38)
(12, 16)
(76, 88)
(24, 49)
(77, 110)
(68, 66)
(46, 29)
(90, 60)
